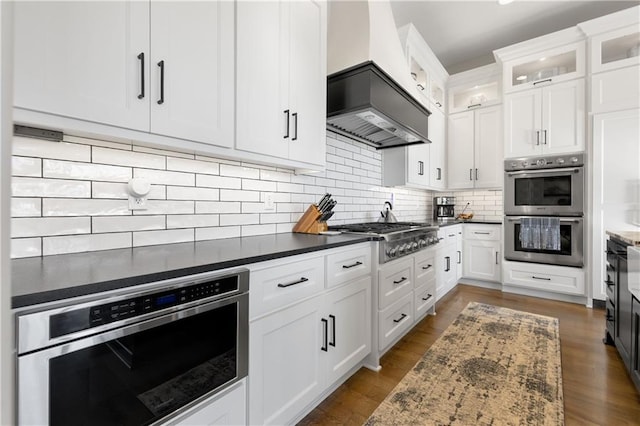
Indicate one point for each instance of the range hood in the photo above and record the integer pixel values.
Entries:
(370, 94)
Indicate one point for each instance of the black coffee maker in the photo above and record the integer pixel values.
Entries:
(443, 209)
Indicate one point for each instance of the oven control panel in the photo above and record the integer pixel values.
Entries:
(551, 162)
(94, 316)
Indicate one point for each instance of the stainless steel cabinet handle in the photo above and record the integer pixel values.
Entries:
(325, 339)
(400, 280)
(333, 331)
(141, 58)
(301, 280)
(429, 296)
(161, 65)
(352, 265)
(286, 135)
(540, 278)
(295, 126)
(403, 316)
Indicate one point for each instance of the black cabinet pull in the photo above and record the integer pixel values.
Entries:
(426, 267)
(295, 126)
(439, 170)
(470, 174)
(545, 137)
(540, 278)
(537, 137)
(325, 330)
(609, 283)
(403, 316)
(476, 174)
(459, 257)
(400, 280)
(352, 265)
(301, 280)
(448, 259)
(439, 104)
(609, 317)
(286, 112)
(496, 257)
(542, 81)
(481, 233)
(474, 106)
(141, 58)
(161, 65)
(333, 331)
(429, 296)
(451, 235)
(420, 168)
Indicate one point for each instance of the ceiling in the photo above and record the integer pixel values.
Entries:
(464, 34)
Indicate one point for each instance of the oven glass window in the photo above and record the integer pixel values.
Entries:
(565, 242)
(543, 191)
(140, 378)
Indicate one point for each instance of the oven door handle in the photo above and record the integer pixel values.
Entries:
(553, 172)
(562, 220)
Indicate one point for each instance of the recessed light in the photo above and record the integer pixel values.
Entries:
(543, 59)
(503, 2)
(521, 77)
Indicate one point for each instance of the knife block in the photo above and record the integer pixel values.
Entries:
(308, 223)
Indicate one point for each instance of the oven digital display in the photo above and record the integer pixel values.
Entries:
(166, 299)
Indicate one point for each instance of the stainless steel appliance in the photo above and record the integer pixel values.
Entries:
(398, 239)
(443, 208)
(571, 243)
(133, 356)
(545, 186)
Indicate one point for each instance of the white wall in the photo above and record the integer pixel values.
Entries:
(70, 196)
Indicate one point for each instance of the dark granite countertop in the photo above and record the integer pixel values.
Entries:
(50, 278)
(458, 222)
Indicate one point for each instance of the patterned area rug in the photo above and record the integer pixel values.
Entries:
(492, 366)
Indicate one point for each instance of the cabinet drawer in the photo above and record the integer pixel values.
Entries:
(425, 267)
(279, 285)
(425, 298)
(395, 280)
(557, 279)
(394, 321)
(482, 232)
(347, 265)
(448, 234)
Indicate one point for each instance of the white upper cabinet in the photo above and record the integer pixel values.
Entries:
(281, 79)
(85, 60)
(547, 120)
(615, 49)
(479, 87)
(475, 149)
(160, 67)
(437, 153)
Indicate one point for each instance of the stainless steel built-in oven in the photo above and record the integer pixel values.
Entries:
(550, 186)
(133, 357)
(570, 252)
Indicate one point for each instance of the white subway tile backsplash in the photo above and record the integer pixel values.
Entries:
(39, 148)
(278, 197)
(278, 176)
(78, 243)
(45, 226)
(162, 152)
(84, 207)
(193, 166)
(217, 233)
(289, 187)
(102, 224)
(217, 207)
(237, 195)
(161, 177)
(192, 193)
(149, 238)
(26, 207)
(239, 219)
(218, 182)
(26, 166)
(127, 158)
(192, 220)
(96, 142)
(37, 187)
(119, 190)
(258, 185)
(85, 171)
(26, 247)
(167, 207)
(275, 218)
(250, 230)
(248, 207)
(239, 171)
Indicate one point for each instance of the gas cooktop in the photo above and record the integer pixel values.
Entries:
(381, 228)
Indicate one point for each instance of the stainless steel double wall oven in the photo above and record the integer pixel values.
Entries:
(550, 187)
(133, 357)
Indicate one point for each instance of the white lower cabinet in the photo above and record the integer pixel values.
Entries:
(394, 321)
(482, 252)
(447, 258)
(551, 278)
(227, 408)
(311, 336)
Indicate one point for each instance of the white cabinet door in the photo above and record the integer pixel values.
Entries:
(482, 260)
(262, 77)
(281, 79)
(563, 117)
(349, 316)
(615, 90)
(80, 60)
(308, 74)
(460, 258)
(522, 121)
(417, 165)
(460, 150)
(285, 368)
(192, 70)
(437, 153)
(488, 148)
(445, 269)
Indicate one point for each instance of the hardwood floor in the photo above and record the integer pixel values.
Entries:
(597, 389)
